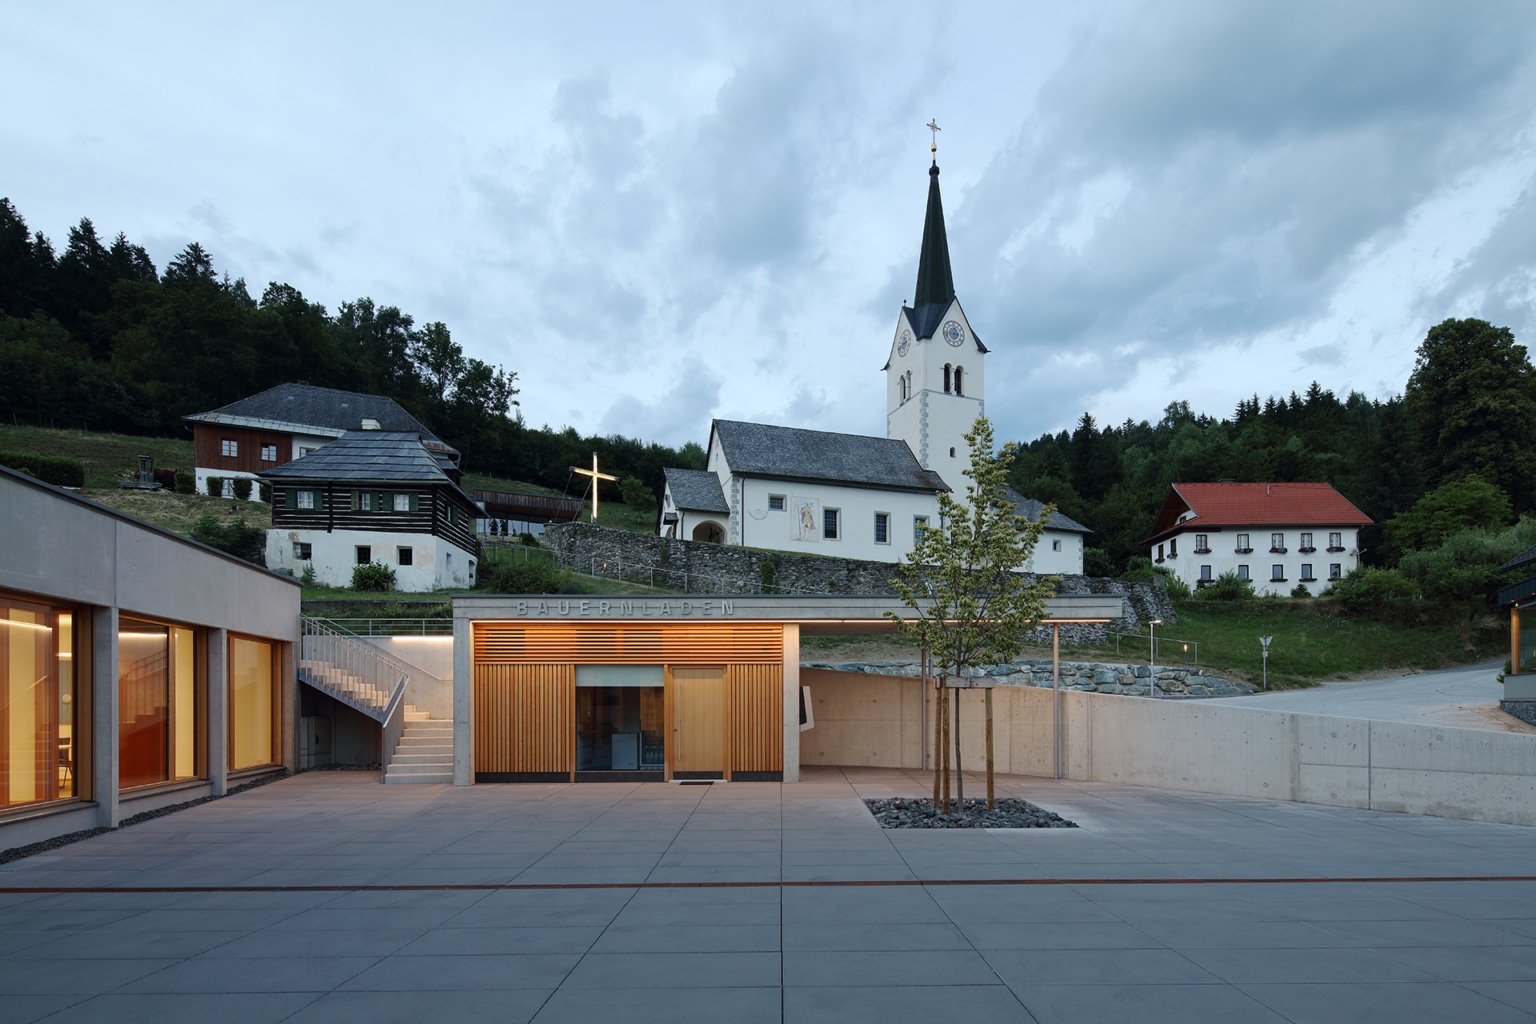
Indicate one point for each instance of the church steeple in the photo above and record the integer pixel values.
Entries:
(935, 282)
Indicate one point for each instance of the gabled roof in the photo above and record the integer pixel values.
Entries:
(1030, 509)
(304, 408)
(696, 490)
(1256, 505)
(789, 453)
(387, 457)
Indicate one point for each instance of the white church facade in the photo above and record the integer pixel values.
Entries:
(851, 495)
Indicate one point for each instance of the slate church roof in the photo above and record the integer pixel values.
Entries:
(1030, 509)
(819, 456)
(696, 490)
(304, 408)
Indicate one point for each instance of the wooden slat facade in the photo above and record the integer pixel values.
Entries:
(525, 718)
(208, 448)
(579, 643)
(339, 507)
(757, 718)
(525, 692)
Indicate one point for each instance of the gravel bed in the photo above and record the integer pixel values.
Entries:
(903, 812)
(18, 852)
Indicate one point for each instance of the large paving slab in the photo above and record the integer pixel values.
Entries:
(330, 897)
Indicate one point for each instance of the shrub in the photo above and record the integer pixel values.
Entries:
(1300, 590)
(1096, 562)
(494, 527)
(186, 481)
(528, 539)
(307, 577)
(247, 542)
(1227, 587)
(215, 486)
(375, 576)
(636, 494)
(1176, 587)
(525, 578)
(1374, 591)
(242, 487)
(265, 490)
(166, 478)
(50, 469)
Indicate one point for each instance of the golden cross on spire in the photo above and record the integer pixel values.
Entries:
(933, 126)
(596, 476)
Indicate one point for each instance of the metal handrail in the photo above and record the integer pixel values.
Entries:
(356, 671)
(389, 627)
(393, 725)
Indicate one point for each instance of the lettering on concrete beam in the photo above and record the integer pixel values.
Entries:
(624, 609)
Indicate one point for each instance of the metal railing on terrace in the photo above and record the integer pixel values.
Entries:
(682, 580)
(390, 627)
(1169, 650)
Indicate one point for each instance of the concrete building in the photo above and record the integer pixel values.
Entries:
(373, 496)
(650, 689)
(289, 421)
(137, 668)
(1279, 536)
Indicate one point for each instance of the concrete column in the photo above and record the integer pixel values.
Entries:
(104, 728)
(291, 703)
(218, 711)
(791, 702)
(463, 705)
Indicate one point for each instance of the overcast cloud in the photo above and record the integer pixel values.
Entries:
(660, 215)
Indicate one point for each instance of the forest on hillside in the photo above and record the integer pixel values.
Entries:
(96, 337)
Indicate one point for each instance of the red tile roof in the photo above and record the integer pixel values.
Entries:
(1256, 505)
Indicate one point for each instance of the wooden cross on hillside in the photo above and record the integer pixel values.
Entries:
(596, 476)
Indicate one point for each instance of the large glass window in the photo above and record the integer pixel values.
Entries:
(38, 734)
(158, 703)
(252, 697)
(620, 722)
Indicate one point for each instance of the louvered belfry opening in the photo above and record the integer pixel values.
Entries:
(567, 701)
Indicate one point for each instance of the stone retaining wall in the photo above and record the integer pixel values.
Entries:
(1090, 676)
(696, 567)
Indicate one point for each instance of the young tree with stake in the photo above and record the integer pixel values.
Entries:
(969, 604)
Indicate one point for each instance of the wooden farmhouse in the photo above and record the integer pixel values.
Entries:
(271, 429)
(374, 496)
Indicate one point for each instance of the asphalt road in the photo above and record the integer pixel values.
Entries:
(1466, 697)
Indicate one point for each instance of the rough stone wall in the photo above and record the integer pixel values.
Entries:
(1525, 710)
(1098, 677)
(720, 569)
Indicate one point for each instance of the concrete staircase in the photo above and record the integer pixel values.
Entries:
(425, 753)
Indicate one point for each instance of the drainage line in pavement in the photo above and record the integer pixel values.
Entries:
(805, 884)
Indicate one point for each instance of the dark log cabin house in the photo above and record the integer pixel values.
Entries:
(373, 496)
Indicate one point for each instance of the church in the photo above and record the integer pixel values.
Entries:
(852, 496)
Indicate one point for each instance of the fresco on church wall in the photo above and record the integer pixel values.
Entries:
(807, 518)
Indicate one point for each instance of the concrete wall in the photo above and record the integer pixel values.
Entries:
(431, 687)
(435, 562)
(1201, 746)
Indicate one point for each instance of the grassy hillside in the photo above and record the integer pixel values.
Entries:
(107, 457)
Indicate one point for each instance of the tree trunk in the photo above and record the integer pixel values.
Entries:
(944, 740)
(991, 788)
(938, 736)
(959, 764)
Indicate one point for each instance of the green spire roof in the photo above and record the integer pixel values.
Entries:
(935, 283)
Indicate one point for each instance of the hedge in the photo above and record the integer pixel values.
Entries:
(49, 469)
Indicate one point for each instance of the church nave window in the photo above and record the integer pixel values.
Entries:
(919, 524)
(882, 527)
(775, 503)
(829, 523)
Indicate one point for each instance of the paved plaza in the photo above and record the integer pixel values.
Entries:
(328, 897)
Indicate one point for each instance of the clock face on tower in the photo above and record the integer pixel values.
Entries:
(954, 333)
(904, 344)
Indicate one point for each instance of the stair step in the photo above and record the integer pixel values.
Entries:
(433, 757)
(437, 778)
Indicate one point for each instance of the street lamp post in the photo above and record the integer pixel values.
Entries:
(1152, 648)
(1264, 641)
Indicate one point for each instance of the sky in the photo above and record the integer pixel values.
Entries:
(660, 213)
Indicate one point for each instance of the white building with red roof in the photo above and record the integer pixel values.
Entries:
(1276, 535)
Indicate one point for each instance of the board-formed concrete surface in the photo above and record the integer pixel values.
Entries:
(328, 897)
